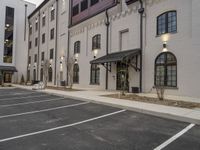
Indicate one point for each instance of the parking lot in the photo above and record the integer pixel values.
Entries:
(31, 120)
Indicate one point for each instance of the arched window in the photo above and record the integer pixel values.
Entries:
(41, 74)
(50, 74)
(166, 70)
(77, 46)
(167, 23)
(28, 75)
(96, 42)
(76, 74)
(95, 74)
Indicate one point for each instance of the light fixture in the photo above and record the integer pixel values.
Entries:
(52, 8)
(29, 65)
(35, 64)
(95, 51)
(164, 46)
(7, 25)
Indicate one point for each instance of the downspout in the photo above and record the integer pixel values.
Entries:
(56, 45)
(107, 46)
(38, 46)
(141, 12)
(28, 50)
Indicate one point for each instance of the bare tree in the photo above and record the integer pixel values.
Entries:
(160, 89)
(46, 66)
(70, 67)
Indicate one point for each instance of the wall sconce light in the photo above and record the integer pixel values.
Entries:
(95, 51)
(165, 46)
(29, 65)
(35, 64)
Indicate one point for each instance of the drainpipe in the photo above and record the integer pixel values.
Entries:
(56, 45)
(28, 50)
(107, 40)
(38, 46)
(141, 12)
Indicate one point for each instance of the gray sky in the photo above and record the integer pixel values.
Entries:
(37, 2)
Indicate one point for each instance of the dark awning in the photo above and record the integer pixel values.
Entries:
(8, 68)
(116, 57)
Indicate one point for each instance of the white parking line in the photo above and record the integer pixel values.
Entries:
(22, 97)
(174, 137)
(26, 103)
(43, 110)
(60, 127)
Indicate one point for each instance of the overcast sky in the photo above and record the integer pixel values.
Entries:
(37, 2)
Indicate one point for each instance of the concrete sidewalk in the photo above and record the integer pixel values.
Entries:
(181, 114)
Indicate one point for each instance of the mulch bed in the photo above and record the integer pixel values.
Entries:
(166, 102)
(62, 89)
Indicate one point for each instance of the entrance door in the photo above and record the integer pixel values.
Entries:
(122, 76)
(7, 77)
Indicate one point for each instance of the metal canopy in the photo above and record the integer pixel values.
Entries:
(116, 57)
(8, 68)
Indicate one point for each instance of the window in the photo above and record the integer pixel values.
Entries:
(52, 34)
(96, 42)
(166, 70)
(30, 30)
(43, 21)
(50, 74)
(95, 74)
(34, 74)
(93, 2)
(41, 74)
(36, 42)
(42, 56)
(167, 23)
(43, 38)
(35, 58)
(8, 35)
(84, 5)
(29, 60)
(52, 14)
(76, 73)
(51, 54)
(75, 10)
(77, 47)
(30, 45)
(28, 75)
(36, 25)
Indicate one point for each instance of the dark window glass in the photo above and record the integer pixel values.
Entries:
(34, 74)
(75, 10)
(52, 34)
(167, 23)
(166, 70)
(93, 2)
(30, 30)
(30, 45)
(35, 58)
(51, 54)
(29, 60)
(36, 26)
(36, 42)
(43, 38)
(50, 74)
(52, 14)
(42, 56)
(84, 5)
(43, 21)
(41, 74)
(95, 74)
(76, 73)
(28, 75)
(96, 42)
(8, 36)
(77, 47)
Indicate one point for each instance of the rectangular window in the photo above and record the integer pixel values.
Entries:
(36, 42)
(96, 42)
(84, 5)
(52, 34)
(93, 2)
(95, 74)
(30, 30)
(36, 26)
(35, 58)
(51, 53)
(52, 14)
(43, 21)
(8, 35)
(42, 56)
(29, 60)
(75, 10)
(30, 45)
(43, 38)
(77, 46)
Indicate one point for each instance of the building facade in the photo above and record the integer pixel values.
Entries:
(127, 44)
(13, 39)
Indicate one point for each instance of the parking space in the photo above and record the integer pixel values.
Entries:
(53, 122)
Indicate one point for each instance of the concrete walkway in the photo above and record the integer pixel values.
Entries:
(181, 114)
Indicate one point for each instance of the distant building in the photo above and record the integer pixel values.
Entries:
(117, 44)
(13, 39)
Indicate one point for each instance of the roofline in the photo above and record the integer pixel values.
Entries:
(38, 8)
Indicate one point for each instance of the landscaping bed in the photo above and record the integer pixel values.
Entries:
(62, 89)
(167, 102)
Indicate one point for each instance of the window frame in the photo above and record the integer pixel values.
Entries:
(77, 47)
(93, 2)
(165, 65)
(166, 23)
(96, 71)
(52, 32)
(51, 53)
(96, 42)
(73, 10)
(76, 73)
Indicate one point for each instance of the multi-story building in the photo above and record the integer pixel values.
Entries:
(48, 35)
(13, 39)
(131, 44)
